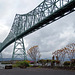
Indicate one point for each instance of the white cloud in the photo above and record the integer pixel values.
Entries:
(4, 30)
(50, 38)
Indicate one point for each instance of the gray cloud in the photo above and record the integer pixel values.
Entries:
(50, 38)
(53, 36)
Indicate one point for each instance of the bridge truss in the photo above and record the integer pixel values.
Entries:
(45, 13)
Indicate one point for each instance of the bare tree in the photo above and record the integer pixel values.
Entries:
(34, 53)
(71, 51)
(68, 51)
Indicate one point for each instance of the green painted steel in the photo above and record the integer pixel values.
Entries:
(19, 50)
(45, 13)
(1, 58)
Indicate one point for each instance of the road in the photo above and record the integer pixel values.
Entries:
(35, 71)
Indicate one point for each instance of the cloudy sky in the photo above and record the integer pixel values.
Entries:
(50, 38)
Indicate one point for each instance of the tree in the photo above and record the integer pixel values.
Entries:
(71, 51)
(34, 53)
(68, 51)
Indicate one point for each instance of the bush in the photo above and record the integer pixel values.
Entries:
(31, 62)
(52, 62)
(22, 64)
(66, 63)
(14, 65)
(73, 62)
(57, 62)
(43, 62)
(6, 62)
(48, 61)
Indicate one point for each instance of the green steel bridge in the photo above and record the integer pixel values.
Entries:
(45, 13)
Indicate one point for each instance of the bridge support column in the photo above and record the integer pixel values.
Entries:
(19, 50)
(1, 59)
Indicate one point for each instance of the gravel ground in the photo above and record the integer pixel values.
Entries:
(35, 71)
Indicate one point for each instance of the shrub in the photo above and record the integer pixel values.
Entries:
(48, 61)
(14, 65)
(22, 64)
(66, 63)
(52, 62)
(6, 62)
(31, 62)
(43, 62)
(28, 61)
(57, 62)
(73, 62)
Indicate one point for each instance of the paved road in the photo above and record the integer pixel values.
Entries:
(35, 71)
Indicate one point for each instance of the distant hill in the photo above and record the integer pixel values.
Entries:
(9, 59)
